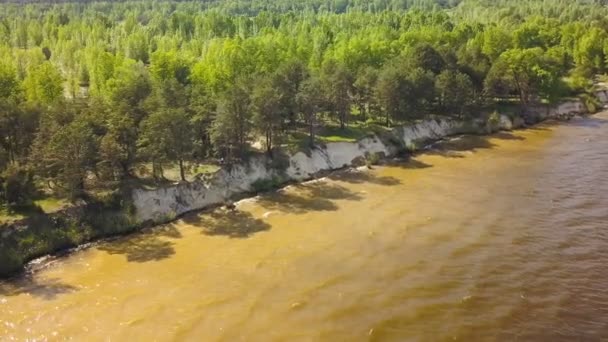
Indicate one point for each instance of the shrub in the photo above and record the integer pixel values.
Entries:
(372, 159)
(266, 184)
(280, 160)
(17, 188)
(592, 104)
(578, 84)
(11, 260)
(493, 123)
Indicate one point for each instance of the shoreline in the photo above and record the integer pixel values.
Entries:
(153, 208)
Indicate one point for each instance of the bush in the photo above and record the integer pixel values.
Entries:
(592, 104)
(578, 84)
(11, 260)
(280, 160)
(266, 184)
(17, 188)
(493, 123)
(372, 159)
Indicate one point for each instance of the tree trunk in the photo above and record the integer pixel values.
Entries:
(204, 143)
(269, 142)
(182, 173)
(11, 156)
(157, 171)
(78, 190)
(311, 128)
(292, 120)
(362, 112)
(125, 168)
(10, 149)
(521, 91)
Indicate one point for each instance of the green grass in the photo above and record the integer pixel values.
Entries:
(205, 168)
(7, 217)
(337, 134)
(352, 133)
(299, 140)
(47, 205)
(52, 204)
(296, 141)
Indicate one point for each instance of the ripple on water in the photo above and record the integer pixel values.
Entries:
(507, 243)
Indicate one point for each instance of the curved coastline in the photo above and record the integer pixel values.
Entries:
(65, 230)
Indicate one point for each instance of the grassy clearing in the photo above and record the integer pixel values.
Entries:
(337, 134)
(51, 204)
(299, 140)
(6, 216)
(47, 205)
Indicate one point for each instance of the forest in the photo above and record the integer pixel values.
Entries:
(99, 95)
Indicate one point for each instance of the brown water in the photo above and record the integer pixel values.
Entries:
(502, 238)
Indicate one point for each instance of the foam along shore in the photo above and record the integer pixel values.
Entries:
(34, 237)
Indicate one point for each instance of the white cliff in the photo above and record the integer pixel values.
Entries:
(164, 204)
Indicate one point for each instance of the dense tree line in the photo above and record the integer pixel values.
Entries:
(90, 91)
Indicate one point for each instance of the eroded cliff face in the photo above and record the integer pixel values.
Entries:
(74, 226)
(602, 95)
(164, 204)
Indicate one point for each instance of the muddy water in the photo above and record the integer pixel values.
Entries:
(502, 238)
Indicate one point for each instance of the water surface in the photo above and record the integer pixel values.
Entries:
(492, 239)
